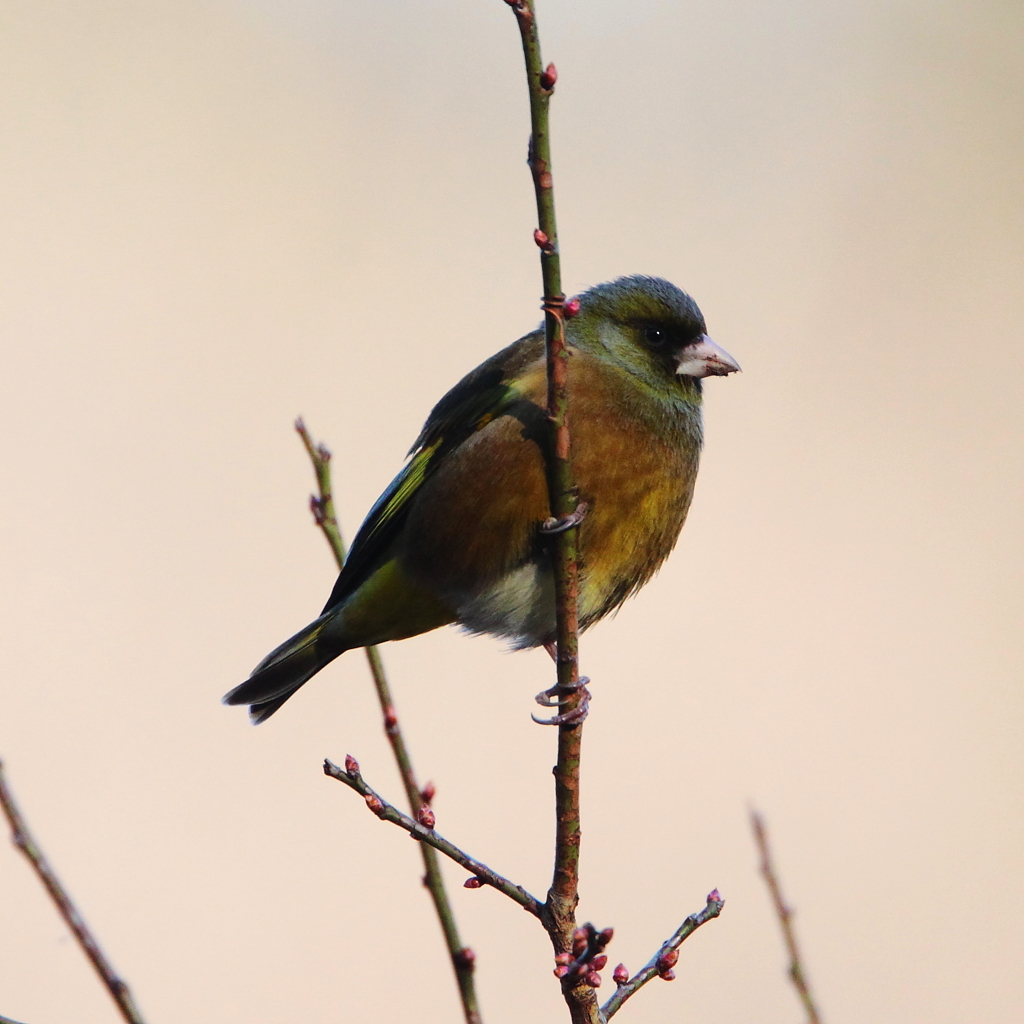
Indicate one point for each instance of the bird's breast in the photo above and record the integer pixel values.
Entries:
(473, 533)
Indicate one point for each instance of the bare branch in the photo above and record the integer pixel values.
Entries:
(785, 916)
(664, 960)
(24, 841)
(6, 1020)
(425, 832)
(462, 957)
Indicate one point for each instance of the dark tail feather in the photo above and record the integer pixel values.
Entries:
(286, 668)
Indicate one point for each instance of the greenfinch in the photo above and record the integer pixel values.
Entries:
(456, 536)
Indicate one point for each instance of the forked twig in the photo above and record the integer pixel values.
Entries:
(24, 841)
(462, 958)
(785, 915)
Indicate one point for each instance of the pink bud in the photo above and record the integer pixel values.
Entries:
(542, 240)
(714, 896)
(620, 975)
(472, 883)
(548, 77)
(599, 962)
(669, 975)
(351, 765)
(605, 936)
(375, 803)
(428, 794)
(572, 307)
(564, 958)
(466, 957)
(561, 971)
(668, 959)
(390, 718)
(593, 979)
(425, 816)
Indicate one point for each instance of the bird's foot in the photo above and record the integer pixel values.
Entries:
(558, 695)
(553, 526)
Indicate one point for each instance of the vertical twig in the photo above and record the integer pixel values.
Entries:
(24, 841)
(462, 957)
(560, 909)
(785, 915)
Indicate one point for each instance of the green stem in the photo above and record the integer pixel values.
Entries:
(462, 958)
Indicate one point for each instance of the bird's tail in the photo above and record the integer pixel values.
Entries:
(287, 667)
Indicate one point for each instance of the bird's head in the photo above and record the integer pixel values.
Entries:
(652, 329)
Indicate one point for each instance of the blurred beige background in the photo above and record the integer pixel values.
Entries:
(217, 215)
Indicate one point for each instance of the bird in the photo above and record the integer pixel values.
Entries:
(456, 538)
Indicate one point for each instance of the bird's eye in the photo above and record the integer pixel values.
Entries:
(655, 336)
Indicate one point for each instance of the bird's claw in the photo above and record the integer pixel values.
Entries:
(557, 696)
(551, 527)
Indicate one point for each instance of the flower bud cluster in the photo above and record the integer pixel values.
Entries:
(587, 958)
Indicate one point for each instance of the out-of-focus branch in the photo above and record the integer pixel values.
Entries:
(6, 1020)
(423, 829)
(24, 841)
(785, 916)
(462, 958)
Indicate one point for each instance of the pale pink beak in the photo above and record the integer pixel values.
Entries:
(705, 359)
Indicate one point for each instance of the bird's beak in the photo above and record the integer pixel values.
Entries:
(705, 359)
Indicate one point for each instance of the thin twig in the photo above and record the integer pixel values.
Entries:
(388, 812)
(785, 916)
(560, 908)
(662, 961)
(6, 1020)
(462, 958)
(24, 841)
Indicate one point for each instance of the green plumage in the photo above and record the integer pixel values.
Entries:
(454, 538)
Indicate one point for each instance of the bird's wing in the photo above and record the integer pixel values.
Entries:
(480, 397)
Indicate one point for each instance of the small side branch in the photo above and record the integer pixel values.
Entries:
(665, 959)
(462, 957)
(425, 832)
(24, 841)
(6, 1020)
(785, 915)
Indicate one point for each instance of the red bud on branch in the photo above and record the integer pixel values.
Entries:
(428, 794)
(543, 242)
(604, 937)
(667, 975)
(472, 883)
(572, 307)
(375, 804)
(425, 816)
(620, 975)
(351, 765)
(593, 979)
(561, 971)
(668, 959)
(599, 962)
(548, 77)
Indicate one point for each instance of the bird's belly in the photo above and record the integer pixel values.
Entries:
(519, 607)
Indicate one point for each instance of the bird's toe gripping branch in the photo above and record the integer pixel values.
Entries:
(557, 695)
(551, 527)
